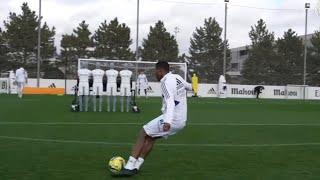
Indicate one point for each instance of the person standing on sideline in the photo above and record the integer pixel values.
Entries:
(21, 80)
(194, 80)
(142, 83)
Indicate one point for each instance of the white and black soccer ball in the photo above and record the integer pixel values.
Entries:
(135, 109)
(75, 108)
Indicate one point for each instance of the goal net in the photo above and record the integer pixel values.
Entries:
(296, 91)
(134, 66)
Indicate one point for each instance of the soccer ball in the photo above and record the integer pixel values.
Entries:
(116, 164)
(75, 107)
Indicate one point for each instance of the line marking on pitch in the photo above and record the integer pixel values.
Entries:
(128, 123)
(161, 144)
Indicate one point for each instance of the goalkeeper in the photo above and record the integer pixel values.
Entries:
(142, 83)
(194, 80)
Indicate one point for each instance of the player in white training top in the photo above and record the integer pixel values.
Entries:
(174, 92)
(97, 86)
(142, 83)
(21, 80)
(125, 87)
(83, 89)
(112, 75)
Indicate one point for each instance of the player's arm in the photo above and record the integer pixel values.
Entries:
(187, 85)
(146, 80)
(168, 92)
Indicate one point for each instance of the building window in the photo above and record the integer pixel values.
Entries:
(234, 66)
(243, 52)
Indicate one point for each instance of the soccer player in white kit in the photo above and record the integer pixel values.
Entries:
(112, 75)
(125, 87)
(83, 89)
(142, 83)
(174, 108)
(97, 87)
(21, 80)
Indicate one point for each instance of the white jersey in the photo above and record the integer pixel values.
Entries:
(21, 75)
(97, 75)
(142, 80)
(112, 76)
(125, 76)
(174, 93)
(84, 75)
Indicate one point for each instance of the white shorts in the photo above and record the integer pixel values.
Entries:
(97, 89)
(154, 128)
(83, 89)
(112, 89)
(20, 84)
(125, 90)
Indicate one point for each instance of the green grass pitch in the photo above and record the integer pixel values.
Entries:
(40, 139)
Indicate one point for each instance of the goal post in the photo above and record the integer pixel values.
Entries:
(134, 66)
(296, 91)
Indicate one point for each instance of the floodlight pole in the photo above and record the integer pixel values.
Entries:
(307, 6)
(137, 35)
(39, 41)
(65, 71)
(137, 45)
(225, 37)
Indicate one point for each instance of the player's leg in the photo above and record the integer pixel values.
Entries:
(86, 97)
(19, 89)
(136, 150)
(94, 97)
(80, 97)
(122, 90)
(128, 102)
(108, 102)
(146, 149)
(109, 92)
(100, 89)
(114, 91)
(145, 93)
(145, 141)
(127, 95)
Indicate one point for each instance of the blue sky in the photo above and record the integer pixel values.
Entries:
(184, 14)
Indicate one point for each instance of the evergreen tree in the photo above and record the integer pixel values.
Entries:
(206, 52)
(83, 40)
(290, 59)
(3, 47)
(48, 49)
(112, 41)
(3, 50)
(21, 34)
(313, 61)
(69, 54)
(74, 46)
(159, 45)
(260, 66)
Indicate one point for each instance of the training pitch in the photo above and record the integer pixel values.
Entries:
(224, 139)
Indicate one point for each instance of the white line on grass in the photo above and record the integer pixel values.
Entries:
(164, 145)
(128, 123)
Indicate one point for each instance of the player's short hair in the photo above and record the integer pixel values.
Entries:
(163, 65)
